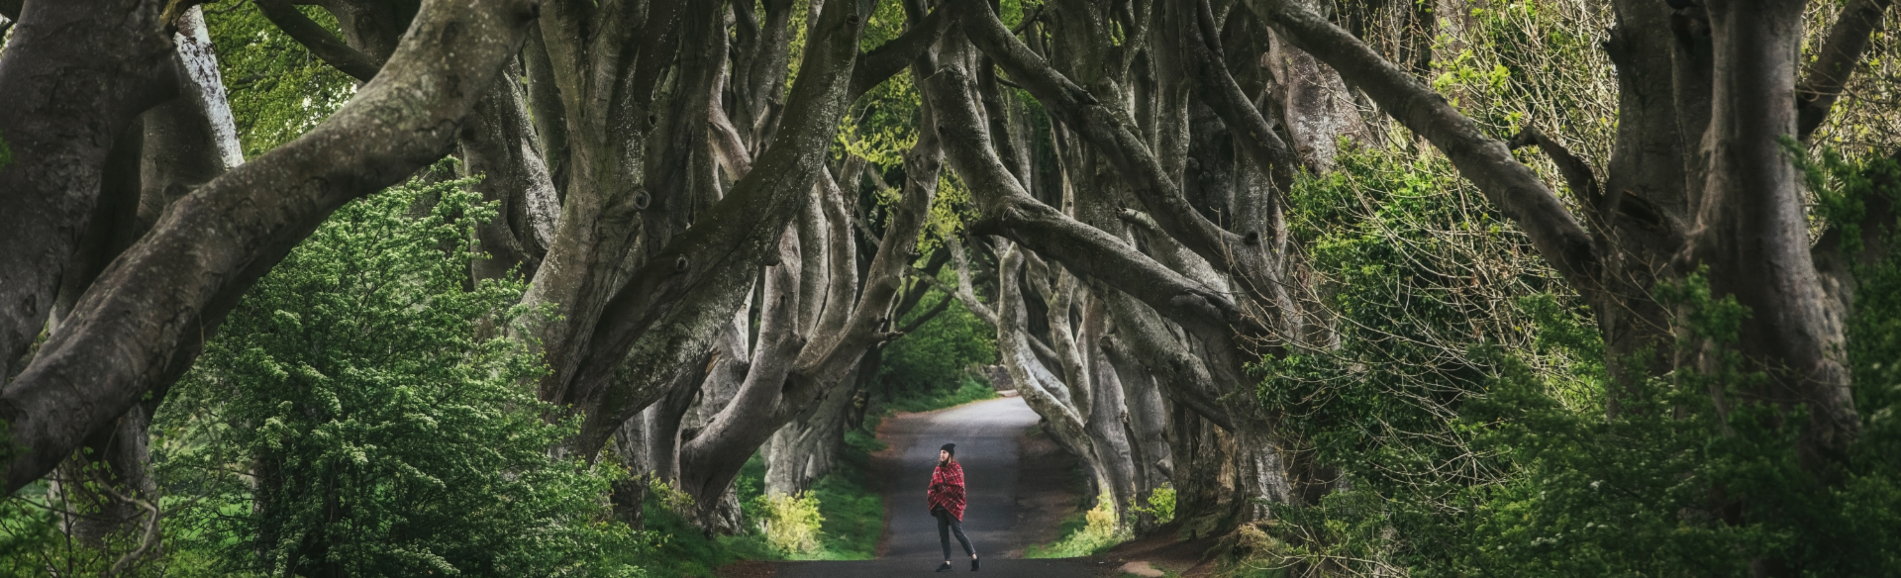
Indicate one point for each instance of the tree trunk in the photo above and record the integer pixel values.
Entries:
(498, 143)
(1752, 229)
(117, 56)
(86, 376)
(810, 447)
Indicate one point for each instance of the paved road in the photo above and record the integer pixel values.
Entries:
(986, 435)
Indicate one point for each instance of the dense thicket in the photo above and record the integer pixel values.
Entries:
(1436, 286)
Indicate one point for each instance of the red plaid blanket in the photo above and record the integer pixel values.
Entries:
(947, 489)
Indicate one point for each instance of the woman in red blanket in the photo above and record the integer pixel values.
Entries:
(947, 504)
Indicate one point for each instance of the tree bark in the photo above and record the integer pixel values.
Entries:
(176, 284)
(498, 144)
(74, 75)
(691, 284)
(811, 446)
(1752, 229)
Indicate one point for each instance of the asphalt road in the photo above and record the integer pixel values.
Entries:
(986, 434)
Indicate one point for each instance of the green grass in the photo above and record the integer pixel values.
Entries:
(684, 551)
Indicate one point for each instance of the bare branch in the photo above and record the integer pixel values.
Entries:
(928, 314)
(1104, 127)
(1009, 211)
(964, 290)
(892, 56)
(148, 538)
(700, 271)
(1825, 77)
(1509, 184)
(313, 36)
(1577, 173)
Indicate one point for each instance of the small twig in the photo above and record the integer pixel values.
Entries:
(149, 541)
(1577, 173)
(1028, 20)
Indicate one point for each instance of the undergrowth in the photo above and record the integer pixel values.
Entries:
(1084, 534)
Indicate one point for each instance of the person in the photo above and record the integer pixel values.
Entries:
(946, 500)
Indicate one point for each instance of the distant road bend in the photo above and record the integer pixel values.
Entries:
(987, 435)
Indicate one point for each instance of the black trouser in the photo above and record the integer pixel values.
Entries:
(946, 525)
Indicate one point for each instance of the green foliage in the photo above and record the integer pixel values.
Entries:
(277, 89)
(969, 389)
(1160, 503)
(790, 523)
(1671, 485)
(937, 356)
(663, 494)
(1534, 60)
(355, 413)
(853, 513)
(1495, 456)
(1094, 533)
(681, 550)
(1418, 274)
(31, 543)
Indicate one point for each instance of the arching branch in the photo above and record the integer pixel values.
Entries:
(313, 36)
(1486, 161)
(1835, 63)
(151, 310)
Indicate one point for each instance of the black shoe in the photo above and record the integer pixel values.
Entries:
(945, 568)
(973, 564)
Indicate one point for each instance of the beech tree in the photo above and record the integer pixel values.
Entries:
(619, 96)
(1259, 305)
(701, 259)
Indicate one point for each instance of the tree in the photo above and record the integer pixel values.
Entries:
(632, 291)
(712, 277)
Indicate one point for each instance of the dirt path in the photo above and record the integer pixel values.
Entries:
(988, 435)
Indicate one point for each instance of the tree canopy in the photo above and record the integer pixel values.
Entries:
(1376, 286)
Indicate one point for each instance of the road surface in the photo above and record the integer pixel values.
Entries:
(986, 434)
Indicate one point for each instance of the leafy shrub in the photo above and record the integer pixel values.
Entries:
(1475, 436)
(1161, 504)
(1095, 535)
(969, 388)
(665, 495)
(790, 523)
(357, 414)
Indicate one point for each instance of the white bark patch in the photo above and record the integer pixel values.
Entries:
(207, 86)
(544, 207)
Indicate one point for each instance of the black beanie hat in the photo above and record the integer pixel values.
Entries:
(952, 448)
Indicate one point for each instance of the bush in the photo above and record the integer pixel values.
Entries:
(1475, 436)
(790, 523)
(358, 414)
(1096, 534)
(1161, 504)
(969, 388)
